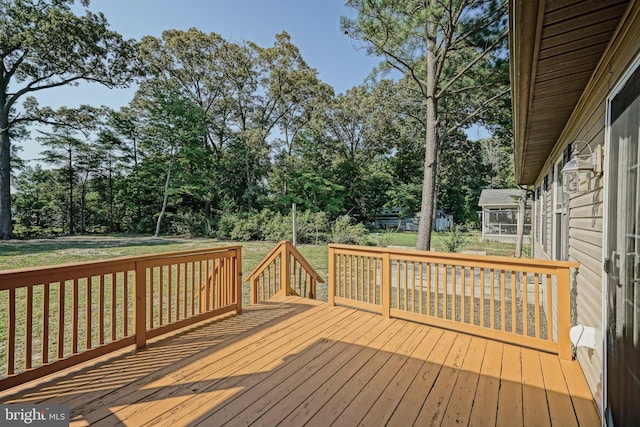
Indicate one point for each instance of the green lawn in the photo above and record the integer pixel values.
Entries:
(41, 252)
(473, 242)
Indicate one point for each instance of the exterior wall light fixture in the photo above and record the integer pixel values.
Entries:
(578, 171)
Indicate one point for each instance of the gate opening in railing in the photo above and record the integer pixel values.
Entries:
(55, 317)
(521, 301)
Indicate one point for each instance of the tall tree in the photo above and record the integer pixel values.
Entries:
(450, 49)
(460, 177)
(43, 44)
(36, 203)
(361, 129)
(68, 147)
(171, 128)
(118, 148)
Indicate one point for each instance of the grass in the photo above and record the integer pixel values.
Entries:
(473, 243)
(40, 252)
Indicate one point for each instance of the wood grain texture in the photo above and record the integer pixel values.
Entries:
(296, 361)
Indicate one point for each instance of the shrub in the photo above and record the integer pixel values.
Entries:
(312, 227)
(278, 228)
(247, 227)
(382, 238)
(453, 240)
(240, 227)
(344, 232)
(190, 224)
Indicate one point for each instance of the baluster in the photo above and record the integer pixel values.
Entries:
(420, 271)
(149, 272)
(472, 303)
(45, 324)
(61, 321)
(445, 292)
(429, 289)
(11, 339)
(536, 312)
(482, 285)
(176, 268)
(549, 307)
(514, 305)
(87, 323)
(28, 342)
(74, 317)
(125, 303)
(101, 310)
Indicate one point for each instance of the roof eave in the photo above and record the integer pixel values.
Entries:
(524, 36)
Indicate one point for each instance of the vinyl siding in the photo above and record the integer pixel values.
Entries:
(586, 217)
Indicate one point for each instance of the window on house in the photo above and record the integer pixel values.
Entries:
(558, 187)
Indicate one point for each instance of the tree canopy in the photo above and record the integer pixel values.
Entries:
(453, 54)
(43, 44)
(221, 136)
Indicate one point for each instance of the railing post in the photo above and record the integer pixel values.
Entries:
(331, 280)
(238, 278)
(386, 285)
(564, 308)
(140, 308)
(285, 269)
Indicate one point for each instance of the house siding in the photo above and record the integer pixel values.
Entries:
(586, 215)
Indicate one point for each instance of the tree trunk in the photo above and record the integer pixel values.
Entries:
(166, 196)
(111, 222)
(83, 196)
(431, 151)
(522, 206)
(5, 176)
(70, 192)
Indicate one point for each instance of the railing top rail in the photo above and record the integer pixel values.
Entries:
(9, 275)
(274, 253)
(444, 256)
(265, 261)
(302, 260)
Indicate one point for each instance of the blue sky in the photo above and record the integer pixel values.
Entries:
(313, 25)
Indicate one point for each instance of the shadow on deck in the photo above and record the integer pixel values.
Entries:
(296, 361)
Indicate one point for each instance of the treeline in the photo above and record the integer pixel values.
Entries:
(221, 138)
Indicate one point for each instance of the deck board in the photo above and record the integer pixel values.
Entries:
(294, 361)
(459, 408)
(560, 404)
(533, 394)
(396, 391)
(485, 404)
(374, 380)
(332, 380)
(510, 396)
(586, 411)
(432, 412)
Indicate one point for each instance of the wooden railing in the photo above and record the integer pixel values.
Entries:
(284, 271)
(52, 318)
(521, 301)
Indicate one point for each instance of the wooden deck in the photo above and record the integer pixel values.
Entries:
(301, 362)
